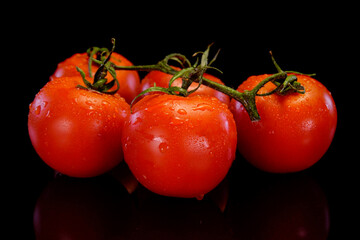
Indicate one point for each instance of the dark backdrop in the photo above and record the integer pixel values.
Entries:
(305, 39)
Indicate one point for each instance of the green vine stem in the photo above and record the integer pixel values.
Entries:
(246, 98)
(283, 82)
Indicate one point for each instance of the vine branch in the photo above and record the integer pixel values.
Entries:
(189, 73)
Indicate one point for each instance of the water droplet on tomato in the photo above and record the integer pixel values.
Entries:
(105, 103)
(203, 107)
(163, 147)
(38, 110)
(200, 197)
(176, 121)
(90, 104)
(182, 112)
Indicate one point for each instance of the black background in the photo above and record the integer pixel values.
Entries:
(302, 38)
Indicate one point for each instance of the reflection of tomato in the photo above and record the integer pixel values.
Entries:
(179, 146)
(82, 209)
(162, 80)
(129, 80)
(287, 208)
(178, 219)
(295, 130)
(76, 131)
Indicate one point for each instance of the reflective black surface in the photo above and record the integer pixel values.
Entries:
(318, 203)
(248, 204)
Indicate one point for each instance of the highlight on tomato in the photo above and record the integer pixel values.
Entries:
(76, 126)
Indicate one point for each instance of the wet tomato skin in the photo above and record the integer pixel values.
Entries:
(77, 131)
(295, 130)
(177, 146)
(129, 80)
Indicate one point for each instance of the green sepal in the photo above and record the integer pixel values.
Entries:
(82, 73)
(108, 86)
(98, 85)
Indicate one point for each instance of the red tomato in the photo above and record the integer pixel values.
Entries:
(162, 80)
(129, 80)
(295, 130)
(179, 146)
(77, 131)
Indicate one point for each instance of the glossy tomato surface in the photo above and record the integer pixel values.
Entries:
(295, 130)
(129, 80)
(77, 131)
(162, 80)
(179, 146)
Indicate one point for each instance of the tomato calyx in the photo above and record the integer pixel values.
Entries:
(287, 85)
(101, 55)
(100, 82)
(188, 73)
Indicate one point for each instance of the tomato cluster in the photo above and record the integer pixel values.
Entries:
(180, 146)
